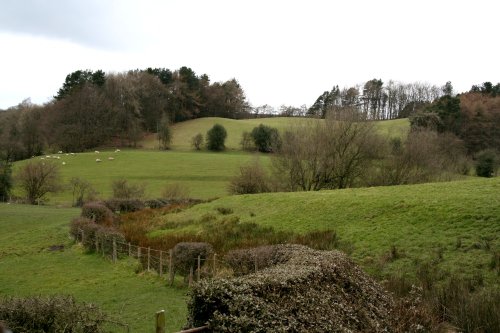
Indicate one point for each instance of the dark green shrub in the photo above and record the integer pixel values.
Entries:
(97, 212)
(186, 254)
(487, 163)
(265, 138)
(53, 314)
(124, 205)
(216, 138)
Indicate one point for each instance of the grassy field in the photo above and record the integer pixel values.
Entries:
(205, 174)
(455, 225)
(184, 131)
(28, 267)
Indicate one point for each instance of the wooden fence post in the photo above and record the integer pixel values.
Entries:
(129, 250)
(149, 257)
(170, 272)
(190, 283)
(199, 269)
(96, 244)
(103, 243)
(114, 250)
(161, 264)
(160, 321)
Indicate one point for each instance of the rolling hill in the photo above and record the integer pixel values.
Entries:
(455, 224)
(184, 131)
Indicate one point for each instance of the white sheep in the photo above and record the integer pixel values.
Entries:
(97, 151)
(63, 163)
(98, 160)
(72, 154)
(60, 152)
(111, 158)
(117, 150)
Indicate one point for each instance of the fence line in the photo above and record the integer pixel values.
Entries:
(159, 261)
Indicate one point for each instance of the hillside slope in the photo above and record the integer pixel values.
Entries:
(184, 131)
(454, 224)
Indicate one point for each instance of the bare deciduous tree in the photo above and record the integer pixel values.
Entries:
(36, 179)
(326, 154)
(80, 189)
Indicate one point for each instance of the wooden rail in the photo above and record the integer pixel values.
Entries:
(160, 325)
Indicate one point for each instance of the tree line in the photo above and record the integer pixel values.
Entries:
(95, 108)
(377, 101)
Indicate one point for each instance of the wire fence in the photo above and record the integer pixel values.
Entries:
(161, 262)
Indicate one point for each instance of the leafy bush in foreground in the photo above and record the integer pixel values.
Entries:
(306, 291)
(51, 315)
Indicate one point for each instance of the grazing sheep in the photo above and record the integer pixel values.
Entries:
(97, 151)
(67, 154)
(42, 158)
(63, 163)
(111, 158)
(117, 150)
(98, 160)
(72, 153)
(60, 152)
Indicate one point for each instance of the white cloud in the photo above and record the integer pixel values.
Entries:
(280, 51)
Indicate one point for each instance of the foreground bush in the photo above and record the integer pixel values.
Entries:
(306, 291)
(51, 315)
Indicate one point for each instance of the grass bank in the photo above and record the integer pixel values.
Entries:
(29, 267)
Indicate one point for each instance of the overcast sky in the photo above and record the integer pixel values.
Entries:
(281, 52)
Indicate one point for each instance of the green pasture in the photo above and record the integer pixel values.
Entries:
(453, 224)
(28, 267)
(205, 174)
(184, 131)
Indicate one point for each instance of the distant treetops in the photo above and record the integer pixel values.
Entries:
(93, 108)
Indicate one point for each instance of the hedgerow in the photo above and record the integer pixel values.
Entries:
(306, 291)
